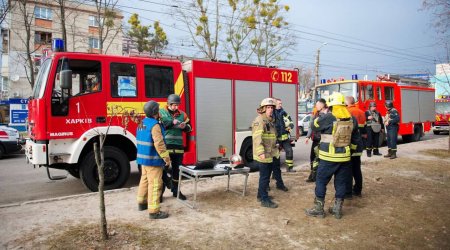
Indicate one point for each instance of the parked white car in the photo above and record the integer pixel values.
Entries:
(303, 123)
(9, 141)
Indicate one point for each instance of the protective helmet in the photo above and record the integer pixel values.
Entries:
(151, 108)
(372, 104)
(267, 102)
(173, 99)
(336, 99)
(236, 161)
(389, 104)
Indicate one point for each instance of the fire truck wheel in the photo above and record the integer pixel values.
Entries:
(247, 154)
(116, 169)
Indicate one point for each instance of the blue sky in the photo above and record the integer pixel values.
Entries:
(364, 37)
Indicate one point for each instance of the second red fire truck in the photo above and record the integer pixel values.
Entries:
(415, 104)
(76, 96)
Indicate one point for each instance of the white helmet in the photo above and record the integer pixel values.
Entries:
(236, 161)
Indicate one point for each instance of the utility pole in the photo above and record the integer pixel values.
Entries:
(316, 70)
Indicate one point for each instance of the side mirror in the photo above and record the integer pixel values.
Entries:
(66, 79)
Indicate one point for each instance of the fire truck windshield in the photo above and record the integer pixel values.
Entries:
(347, 89)
(442, 107)
(41, 80)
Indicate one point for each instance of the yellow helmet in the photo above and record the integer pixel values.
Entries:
(336, 99)
(267, 102)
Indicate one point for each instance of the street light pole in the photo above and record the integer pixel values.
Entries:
(316, 70)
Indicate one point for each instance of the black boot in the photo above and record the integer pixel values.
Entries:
(142, 207)
(175, 193)
(310, 177)
(376, 152)
(159, 215)
(393, 154)
(336, 210)
(369, 153)
(317, 210)
(388, 154)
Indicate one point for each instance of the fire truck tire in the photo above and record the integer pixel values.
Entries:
(247, 154)
(117, 169)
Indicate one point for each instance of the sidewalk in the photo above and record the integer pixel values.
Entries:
(45, 216)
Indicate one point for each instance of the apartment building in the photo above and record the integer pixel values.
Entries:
(82, 29)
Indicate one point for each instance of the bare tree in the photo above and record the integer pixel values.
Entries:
(27, 18)
(203, 32)
(441, 12)
(306, 81)
(106, 16)
(271, 40)
(4, 9)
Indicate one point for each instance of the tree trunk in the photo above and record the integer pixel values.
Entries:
(100, 160)
(63, 23)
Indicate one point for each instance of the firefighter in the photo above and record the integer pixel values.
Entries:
(152, 155)
(374, 125)
(284, 125)
(337, 130)
(265, 151)
(391, 121)
(175, 122)
(357, 147)
(320, 109)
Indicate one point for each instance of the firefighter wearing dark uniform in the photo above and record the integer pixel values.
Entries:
(175, 122)
(391, 121)
(265, 151)
(152, 155)
(374, 124)
(337, 130)
(357, 147)
(320, 109)
(284, 125)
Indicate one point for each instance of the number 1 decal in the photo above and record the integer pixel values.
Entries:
(78, 107)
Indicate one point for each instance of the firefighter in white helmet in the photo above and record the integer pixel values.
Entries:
(338, 130)
(265, 151)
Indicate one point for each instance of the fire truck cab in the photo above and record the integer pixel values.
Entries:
(78, 96)
(442, 122)
(415, 104)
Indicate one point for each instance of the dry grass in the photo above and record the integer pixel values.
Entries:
(440, 153)
(87, 236)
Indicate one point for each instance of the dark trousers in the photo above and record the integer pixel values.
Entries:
(373, 139)
(326, 170)
(392, 133)
(277, 172)
(356, 175)
(312, 154)
(286, 144)
(265, 170)
(177, 160)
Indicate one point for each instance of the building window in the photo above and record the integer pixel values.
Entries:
(42, 13)
(158, 81)
(93, 21)
(94, 43)
(42, 37)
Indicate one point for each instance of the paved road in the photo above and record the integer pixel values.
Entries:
(20, 182)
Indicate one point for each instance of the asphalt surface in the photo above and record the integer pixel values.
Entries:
(20, 182)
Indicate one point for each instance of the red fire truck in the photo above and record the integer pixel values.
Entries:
(414, 103)
(75, 96)
(442, 115)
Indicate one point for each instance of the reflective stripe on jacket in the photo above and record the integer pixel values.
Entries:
(264, 137)
(151, 150)
(324, 124)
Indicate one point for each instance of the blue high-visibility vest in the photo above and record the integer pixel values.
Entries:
(146, 151)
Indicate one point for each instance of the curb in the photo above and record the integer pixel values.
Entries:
(65, 197)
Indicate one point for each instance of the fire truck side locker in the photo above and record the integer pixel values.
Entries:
(417, 108)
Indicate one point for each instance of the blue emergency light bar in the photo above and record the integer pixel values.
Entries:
(58, 45)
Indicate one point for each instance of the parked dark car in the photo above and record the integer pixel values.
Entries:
(9, 141)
